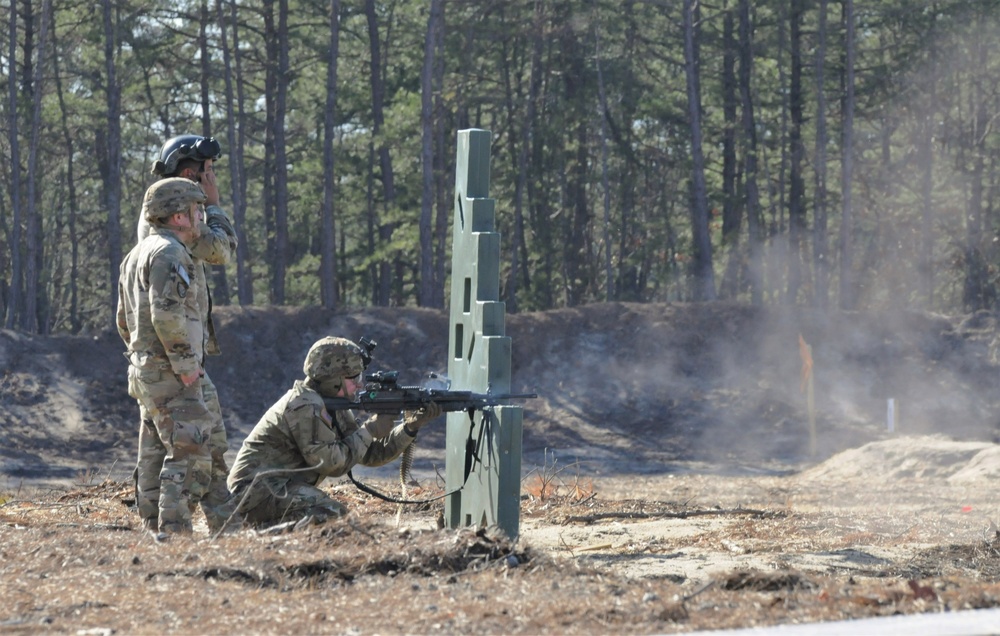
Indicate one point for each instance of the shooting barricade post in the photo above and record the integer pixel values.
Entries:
(479, 355)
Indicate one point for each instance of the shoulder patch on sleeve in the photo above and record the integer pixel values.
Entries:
(182, 281)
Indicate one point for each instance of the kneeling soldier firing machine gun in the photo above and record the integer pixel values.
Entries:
(382, 394)
(312, 433)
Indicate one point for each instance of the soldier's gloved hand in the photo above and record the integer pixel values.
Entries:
(208, 185)
(381, 425)
(415, 420)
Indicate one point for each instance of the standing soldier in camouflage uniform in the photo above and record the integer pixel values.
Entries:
(160, 320)
(190, 157)
(300, 440)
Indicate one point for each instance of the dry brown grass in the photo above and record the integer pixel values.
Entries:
(76, 561)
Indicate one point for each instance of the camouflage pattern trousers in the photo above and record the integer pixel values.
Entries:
(182, 444)
(276, 500)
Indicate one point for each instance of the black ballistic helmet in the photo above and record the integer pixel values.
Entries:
(185, 147)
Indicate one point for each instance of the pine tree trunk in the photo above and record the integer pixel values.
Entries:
(847, 285)
(71, 199)
(385, 228)
(428, 282)
(704, 278)
(821, 262)
(926, 257)
(220, 284)
(112, 186)
(442, 173)
(796, 186)
(280, 159)
(609, 292)
(237, 176)
(15, 298)
(755, 240)
(731, 210)
(328, 233)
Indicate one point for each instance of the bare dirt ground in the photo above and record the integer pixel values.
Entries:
(668, 483)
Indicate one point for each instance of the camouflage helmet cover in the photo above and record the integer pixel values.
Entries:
(332, 358)
(170, 196)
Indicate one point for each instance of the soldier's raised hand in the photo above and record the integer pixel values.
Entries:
(207, 181)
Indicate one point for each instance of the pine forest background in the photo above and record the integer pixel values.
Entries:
(817, 152)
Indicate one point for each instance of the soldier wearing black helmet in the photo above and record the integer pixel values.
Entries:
(190, 157)
(298, 443)
(193, 157)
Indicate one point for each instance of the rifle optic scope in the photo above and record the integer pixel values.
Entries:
(384, 379)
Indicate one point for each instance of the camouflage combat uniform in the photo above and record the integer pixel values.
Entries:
(216, 245)
(298, 432)
(160, 320)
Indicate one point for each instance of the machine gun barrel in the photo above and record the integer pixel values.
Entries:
(396, 398)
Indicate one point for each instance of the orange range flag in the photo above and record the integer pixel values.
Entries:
(807, 363)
